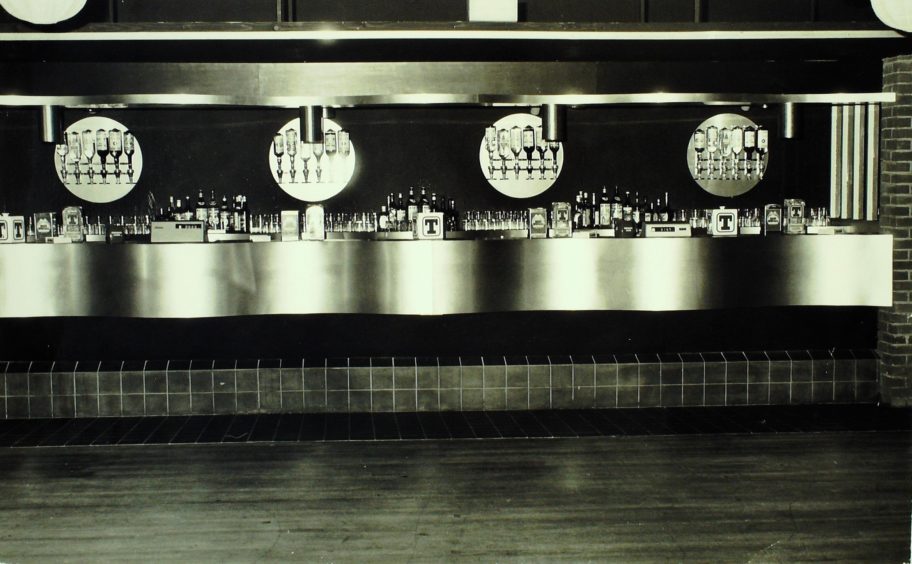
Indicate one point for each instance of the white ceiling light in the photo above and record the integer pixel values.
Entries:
(43, 12)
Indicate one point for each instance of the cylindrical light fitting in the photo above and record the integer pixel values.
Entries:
(554, 122)
(789, 121)
(311, 118)
(329, 112)
(51, 124)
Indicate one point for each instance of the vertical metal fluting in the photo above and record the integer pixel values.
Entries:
(311, 124)
(554, 122)
(845, 160)
(872, 195)
(858, 161)
(854, 140)
(51, 124)
(836, 161)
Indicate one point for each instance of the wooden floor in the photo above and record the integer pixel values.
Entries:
(743, 498)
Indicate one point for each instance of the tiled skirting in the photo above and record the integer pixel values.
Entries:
(92, 389)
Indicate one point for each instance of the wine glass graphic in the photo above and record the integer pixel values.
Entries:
(503, 149)
(318, 154)
(491, 146)
(88, 151)
(75, 151)
(62, 151)
(542, 148)
(278, 149)
(291, 147)
(516, 147)
(306, 153)
(115, 140)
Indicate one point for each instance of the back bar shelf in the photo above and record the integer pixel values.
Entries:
(443, 277)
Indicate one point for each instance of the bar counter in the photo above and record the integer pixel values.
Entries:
(443, 277)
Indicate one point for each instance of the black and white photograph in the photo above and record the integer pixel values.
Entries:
(455, 281)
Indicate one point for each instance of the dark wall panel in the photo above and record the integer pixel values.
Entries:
(581, 11)
(753, 11)
(845, 11)
(670, 11)
(639, 149)
(380, 10)
(196, 10)
(494, 334)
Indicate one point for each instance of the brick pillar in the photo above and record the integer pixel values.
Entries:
(894, 334)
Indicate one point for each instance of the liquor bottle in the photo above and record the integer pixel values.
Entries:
(412, 208)
(245, 216)
(578, 211)
(586, 217)
(179, 210)
(102, 149)
(201, 213)
(168, 215)
(617, 208)
(665, 211)
(453, 214)
(750, 144)
(383, 219)
(401, 214)
(635, 212)
(424, 204)
(224, 214)
(604, 208)
(213, 210)
(627, 207)
(699, 143)
(434, 203)
(762, 148)
(649, 213)
(594, 206)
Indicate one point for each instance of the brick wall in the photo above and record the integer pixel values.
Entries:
(894, 336)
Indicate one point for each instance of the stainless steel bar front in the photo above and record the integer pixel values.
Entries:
(443, 277)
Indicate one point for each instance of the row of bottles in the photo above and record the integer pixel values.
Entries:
(608, 212)
(230, 216)
(734, 153)
(400, 214)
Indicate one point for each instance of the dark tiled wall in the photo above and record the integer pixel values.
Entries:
(407, 384)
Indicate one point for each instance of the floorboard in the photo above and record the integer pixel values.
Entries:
(769, 497)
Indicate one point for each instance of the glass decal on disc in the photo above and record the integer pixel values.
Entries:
(727, 154)
(99, 160)
(312, 172)
(516, 160)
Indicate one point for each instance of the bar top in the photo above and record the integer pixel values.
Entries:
(443, 277)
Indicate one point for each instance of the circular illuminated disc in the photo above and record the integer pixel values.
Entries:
(43, 12)
(90, 180)
(305, 177)
(735, 180)
(894, 13)
(513, 173)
